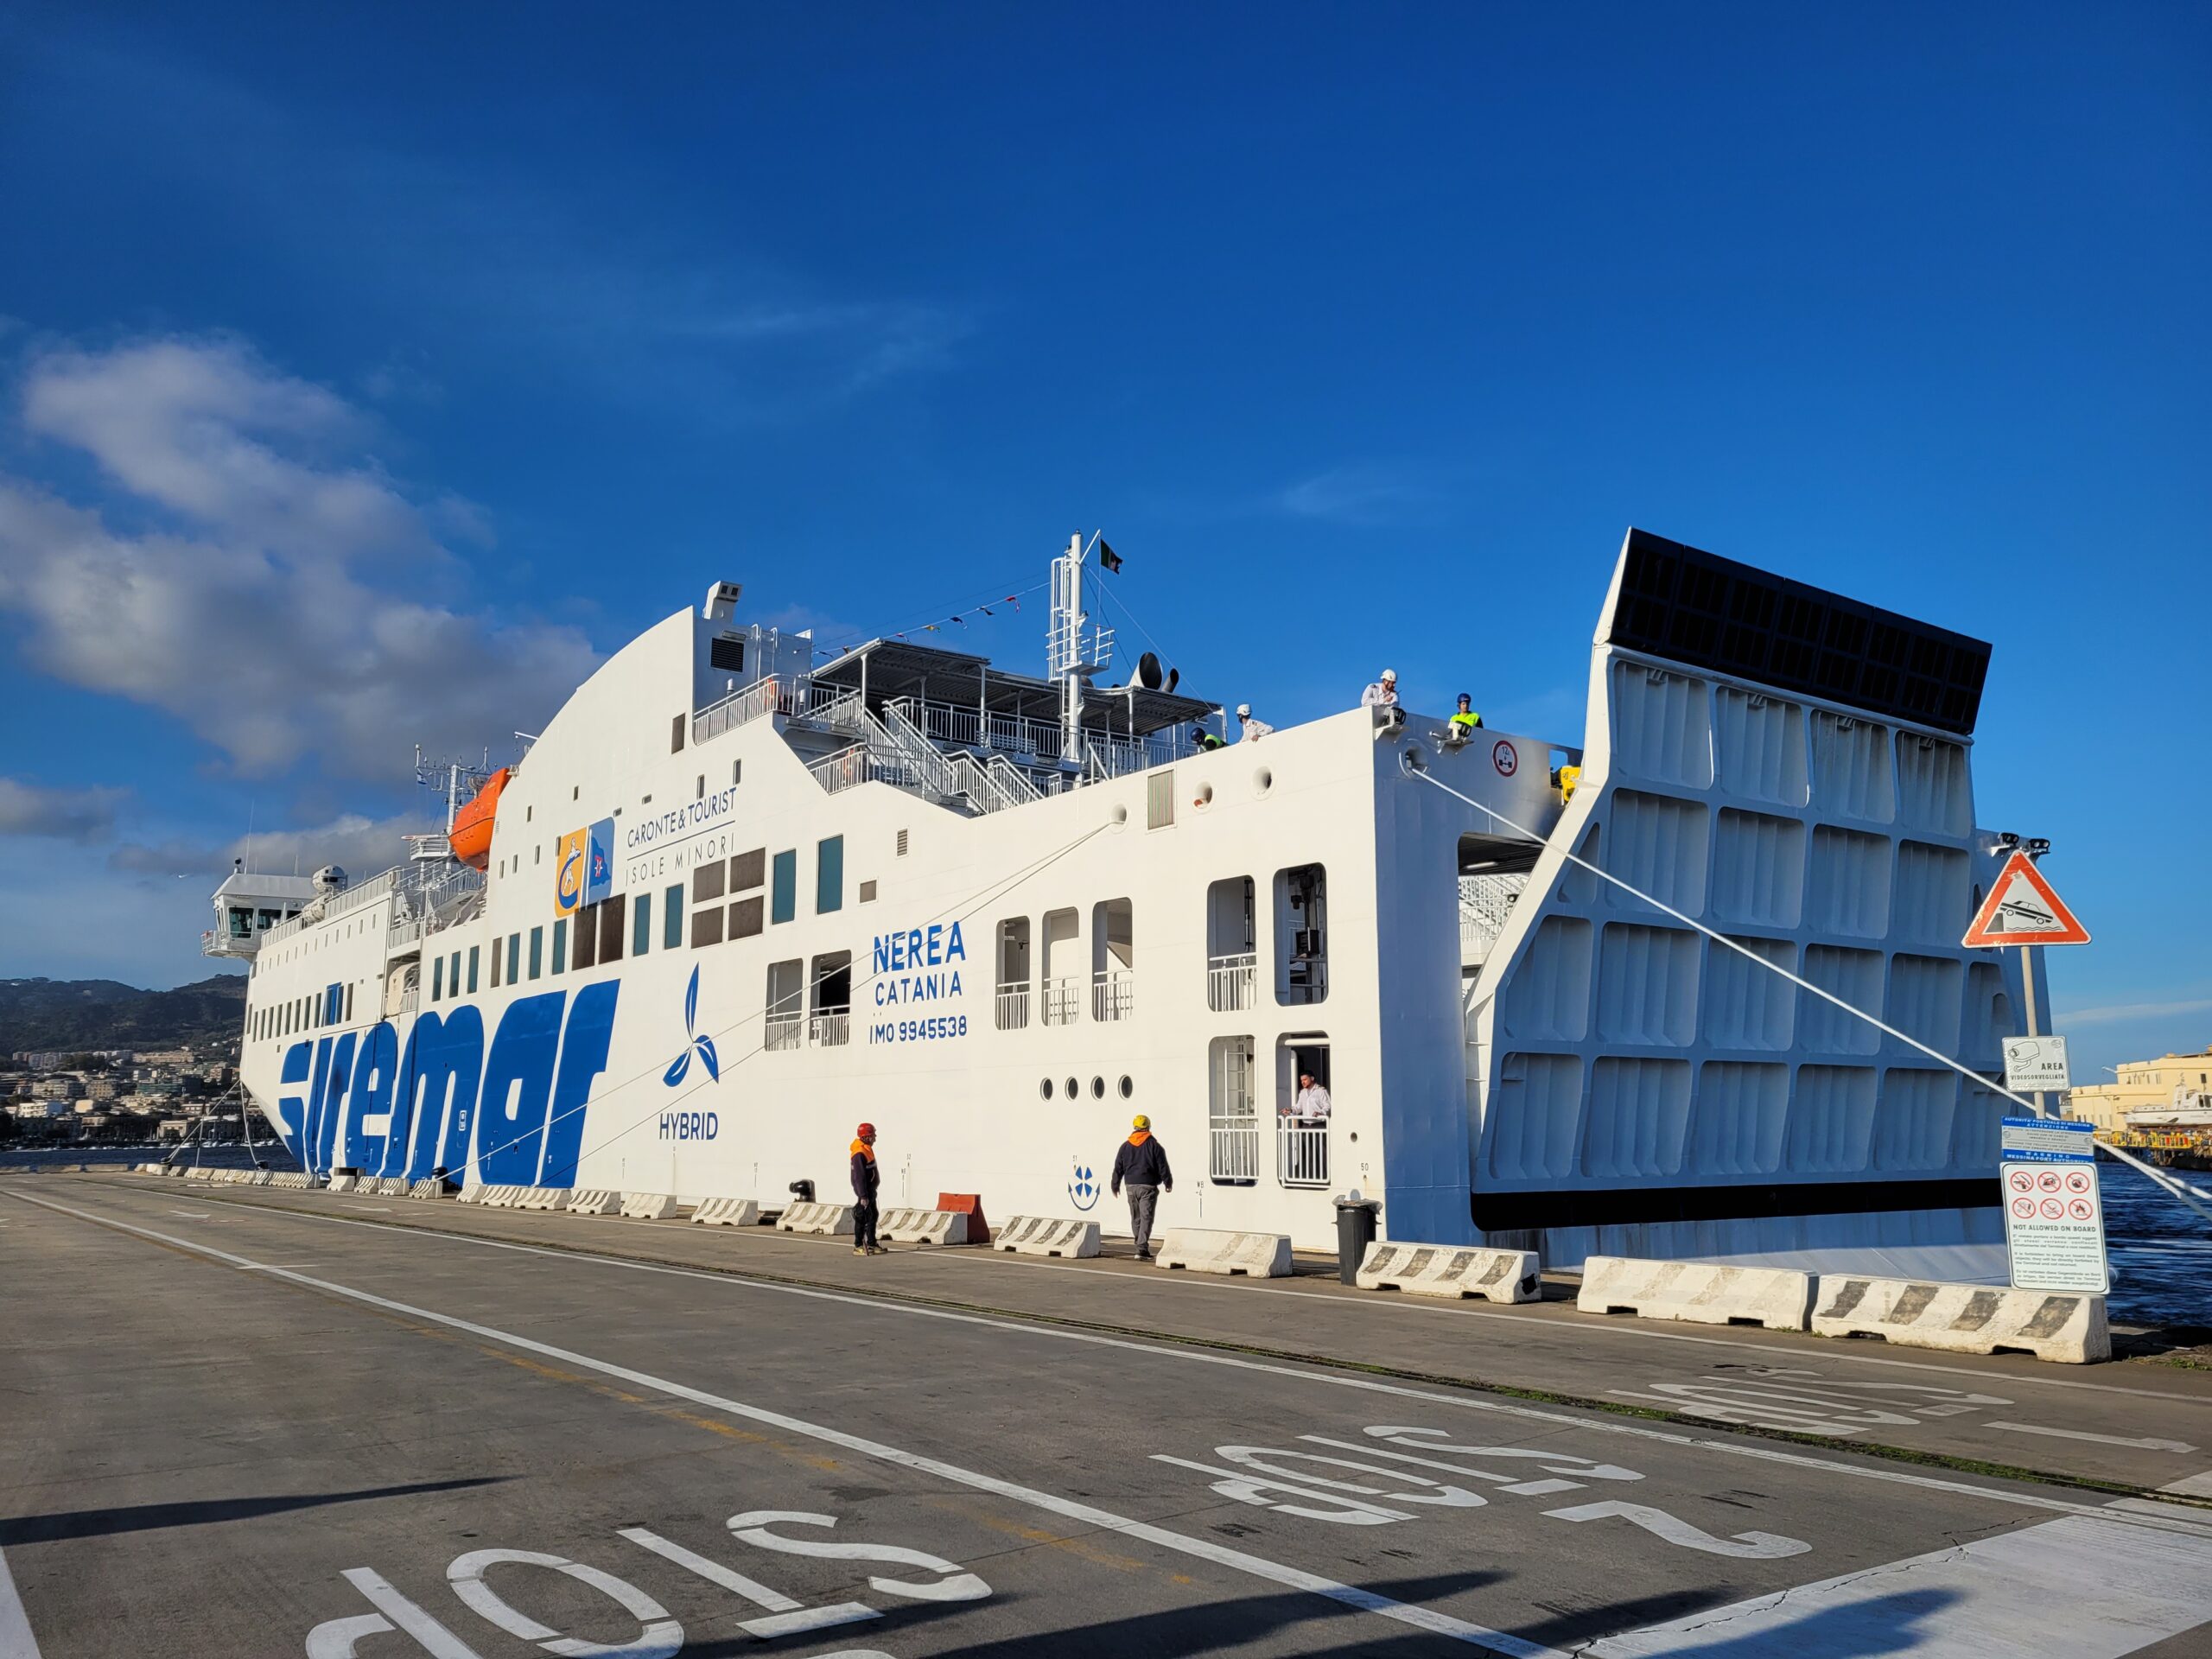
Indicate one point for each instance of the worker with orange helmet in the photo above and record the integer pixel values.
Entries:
(1141, 1161)
(867, 1181)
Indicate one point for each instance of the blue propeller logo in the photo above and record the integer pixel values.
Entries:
(1082, 1185)
(699, 1043)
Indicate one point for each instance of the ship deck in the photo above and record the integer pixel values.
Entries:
(283, 1423)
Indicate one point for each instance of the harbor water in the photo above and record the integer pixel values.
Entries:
(2161, 1252)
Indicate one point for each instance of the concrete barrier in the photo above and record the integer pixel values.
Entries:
(542, 1197)
(392, 1187)
(428, 1188)
(1701, 1293)
(343, 1183)
(728, 1212)
(924, 1227)
(197, 1173)
(172, 1169)
(594, 1201)
(1205, 1249)
(260, 1177)
(649, 1206)
(1451, 1271)
(824, 1220)
(2065, 1326)
(1047, 1236)
(292, 1180)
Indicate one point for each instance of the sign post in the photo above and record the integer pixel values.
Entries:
(2022, 909)
(2054, 1214)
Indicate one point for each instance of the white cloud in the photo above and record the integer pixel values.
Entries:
(271, 618)
(361, 845)
(2133, 1011)
(1367, 495)
(63, 814)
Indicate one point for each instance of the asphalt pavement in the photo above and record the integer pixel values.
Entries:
(258, 1423)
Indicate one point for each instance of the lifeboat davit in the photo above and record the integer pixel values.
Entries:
(471, 836)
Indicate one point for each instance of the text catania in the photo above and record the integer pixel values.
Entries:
(917, 966)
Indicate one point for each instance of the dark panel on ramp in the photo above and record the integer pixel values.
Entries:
(1696, 607)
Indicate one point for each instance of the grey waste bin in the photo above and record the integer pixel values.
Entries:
(1355, 1232)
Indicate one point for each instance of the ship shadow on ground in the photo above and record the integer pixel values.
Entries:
(199, 1512)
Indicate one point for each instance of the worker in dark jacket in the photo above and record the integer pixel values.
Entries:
(1142, 1162)
(867, 1181)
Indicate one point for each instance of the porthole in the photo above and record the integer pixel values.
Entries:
(1119, 816)
(1044, 1088)
(1128, 1088)
(1262, 781)
(1098, 1088)
(1205, 797)
(1074, 1087)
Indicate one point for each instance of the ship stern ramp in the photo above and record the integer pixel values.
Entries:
(1791, 769)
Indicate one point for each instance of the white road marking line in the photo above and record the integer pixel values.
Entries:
(2081, 1588)
(192, 1215)
(1593, 1324)
(2196, 1486)
(1422, 1618)
(2182, 1446)
(1750, 1449)
(17, 1641)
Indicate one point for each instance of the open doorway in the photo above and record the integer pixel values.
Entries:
(1304, 1109)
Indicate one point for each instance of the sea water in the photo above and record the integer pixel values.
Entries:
(2160, 1250)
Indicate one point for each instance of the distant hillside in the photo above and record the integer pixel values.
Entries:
(83, 1014)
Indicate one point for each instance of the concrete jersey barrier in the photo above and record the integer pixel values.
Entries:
(728, 1212)
(824, 1220)
(431, 1188)
(1204, 1249)
(343, 1183)
(1048, 1236)
(648, 1206)
(1451, 1271)
(594, 1201)
(1701, 1293)
(292, 1180)
(542, 1197)
(2064, 1326)
(924, 1226)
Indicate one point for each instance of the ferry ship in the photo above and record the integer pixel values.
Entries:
(776, 890)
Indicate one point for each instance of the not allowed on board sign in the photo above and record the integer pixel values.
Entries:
(2054, 1215)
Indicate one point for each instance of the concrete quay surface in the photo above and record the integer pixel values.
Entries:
(248, 1422)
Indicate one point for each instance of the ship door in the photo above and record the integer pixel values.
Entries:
(1232, 1114)
(1302, 1120)
(1301, 935)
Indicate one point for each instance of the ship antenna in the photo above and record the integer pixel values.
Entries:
(1068, 658)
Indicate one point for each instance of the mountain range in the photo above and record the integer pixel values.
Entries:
(38, 1014)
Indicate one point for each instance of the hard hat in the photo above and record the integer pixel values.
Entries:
(1140, 1121)
(1465, 698)
(865, 1130)
(1243, 711)
(1390, 673)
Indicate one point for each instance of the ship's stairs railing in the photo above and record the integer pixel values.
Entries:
(1231, 986)
(1485, 902)
(796, 696)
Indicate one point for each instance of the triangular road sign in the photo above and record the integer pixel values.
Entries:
(2021, 909)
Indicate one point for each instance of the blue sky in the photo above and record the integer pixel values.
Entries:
(365, 374)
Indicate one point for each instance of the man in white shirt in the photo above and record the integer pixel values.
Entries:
(1250, 729)
(1383, 693)
(1312, 1103)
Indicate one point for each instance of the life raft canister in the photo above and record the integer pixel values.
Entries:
(471, 837)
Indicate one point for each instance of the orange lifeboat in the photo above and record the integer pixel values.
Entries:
(471, 835)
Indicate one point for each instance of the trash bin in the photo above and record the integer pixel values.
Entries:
(1355, 1232)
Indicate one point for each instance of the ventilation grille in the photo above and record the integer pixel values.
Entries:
(1159, 799)
(728, 653)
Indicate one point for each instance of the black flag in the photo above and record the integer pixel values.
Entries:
(1108, 558)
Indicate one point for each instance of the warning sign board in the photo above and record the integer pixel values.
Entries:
(2022, 909)
(2054, 1214)
(2035, 1063)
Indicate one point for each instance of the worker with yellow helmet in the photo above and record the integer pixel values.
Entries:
(1141, 1161)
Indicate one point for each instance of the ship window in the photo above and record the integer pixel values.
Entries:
(472, 950)
(1012, 997)
(349, 989)
(672, 916)
(537, 948)
(786, 1026)
(241, 922)
(267, 917)
(867, 893)
(1128, 1088)
(1301, 935)
(831, 1025)
(1061, 994)
(499, 950)
(1113, 978)
(641, 926)
(700, 794)
(1231, 944)
(612, 911)
(706, 925)
(707, 881)
(1098, 1088)
(676, 735)
(438, 980)
(514, 957)
(560, 945)
(784, 894)
(453, 976)
(829, 876)
(587, 951)
(1074, 1087)
(745, 918)
(1044, 1088)
(749, 870)
(736, 773)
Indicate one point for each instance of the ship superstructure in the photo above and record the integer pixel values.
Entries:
(740, 894)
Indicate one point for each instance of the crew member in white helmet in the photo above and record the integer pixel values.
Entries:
(1250, 729)
(1383, 694)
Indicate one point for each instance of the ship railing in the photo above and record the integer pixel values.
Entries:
(408, 998)
(1302, 1151)
(831, 1028)
(1062, 999)
(862, 764)
(794, 695)
(1485, 903)
(360, 892)
(1233, 1148)
(1013, 1004)
(407, 932)
(785, 1031)
(1113, 993)
(1231, 982)
(932, 765)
